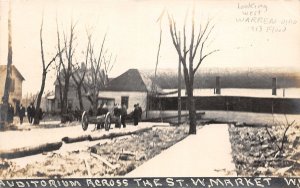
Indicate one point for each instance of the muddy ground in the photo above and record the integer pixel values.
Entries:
(115, 157)
(257, 150)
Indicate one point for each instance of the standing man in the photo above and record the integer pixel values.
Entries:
(10, 113)
(77, 114)
(30, 112)
(21, 113)
(135, 115)
(140, 111)
(123, 115)
(41, 113)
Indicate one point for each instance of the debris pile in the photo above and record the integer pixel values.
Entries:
(111, 157)
(132, 151)
(266, 151)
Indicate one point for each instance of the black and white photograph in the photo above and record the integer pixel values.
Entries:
(141, 93)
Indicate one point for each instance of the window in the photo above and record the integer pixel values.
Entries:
(124, 100)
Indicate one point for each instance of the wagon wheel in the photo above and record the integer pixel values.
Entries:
(107, 121)
(84, 121)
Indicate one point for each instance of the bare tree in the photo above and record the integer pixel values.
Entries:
(154, 89)
(78, 76)
(5, 98)
(66, 64)
(59, 77)
(44, 75)
(187, 56)
(97, 75)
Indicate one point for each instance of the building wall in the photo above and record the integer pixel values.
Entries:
(16, 93)
(72, 98)
(133, 98)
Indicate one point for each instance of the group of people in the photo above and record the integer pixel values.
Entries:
(120, 112)
(21, 112)
(136, 114)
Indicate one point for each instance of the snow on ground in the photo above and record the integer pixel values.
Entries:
(34, 137)
(85, 159)
(208, 153)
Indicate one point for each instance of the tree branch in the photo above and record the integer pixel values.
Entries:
(202, 58)
(41, 41)
(199, 38)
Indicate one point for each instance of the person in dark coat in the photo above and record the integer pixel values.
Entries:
(10, 113)
(135, 115)
(99, 109)
(104, 108)
(41, 114)
(123, 115)
(140, 111)
(29, 109)
(117, 114)
(33, 113)
(30, 113)
(77, 113)
(21, 113)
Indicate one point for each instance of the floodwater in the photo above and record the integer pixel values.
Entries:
(243, 92)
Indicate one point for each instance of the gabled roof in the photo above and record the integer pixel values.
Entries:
(3, 67)
(132, 80)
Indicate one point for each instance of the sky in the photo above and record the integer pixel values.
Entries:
(246, 33)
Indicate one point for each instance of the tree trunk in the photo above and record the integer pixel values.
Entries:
(192, 110)
(60, 94)
(80, 97)
(5, 98)
(65, 96)
(39, 99)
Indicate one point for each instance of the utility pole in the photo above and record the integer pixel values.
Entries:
(5, 98)
(179, 92)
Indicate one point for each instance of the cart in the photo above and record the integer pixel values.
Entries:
(104, 120)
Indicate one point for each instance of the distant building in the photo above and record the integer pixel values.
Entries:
(53, 101)
(15, 93)
(130, 88)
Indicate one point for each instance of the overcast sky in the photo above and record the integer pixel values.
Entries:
(268, 37)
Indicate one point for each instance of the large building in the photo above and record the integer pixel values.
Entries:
(130, 88)
(53, 101)
(15, 92)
